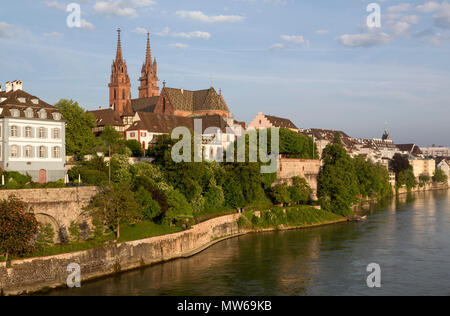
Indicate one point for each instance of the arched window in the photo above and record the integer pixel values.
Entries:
(42, 132)
(56, 133)
(14, 131)
(14, 151)
(28, 132)
(42, 152)
(56, 152)
(28, 152)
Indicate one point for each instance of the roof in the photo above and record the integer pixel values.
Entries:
(144, 104)
(107, 117)
(22, 98)
(328, 135)
(280, 122)
(412, 149)
(195, 101)
(160, 123)
(23, 101)
(164, 124)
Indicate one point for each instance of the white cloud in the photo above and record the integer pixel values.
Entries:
(86, 25)
(180, 45)
(322, 32)
(429, 6)
(53, 35)
(278, 46)
(200, 16)
(365, 39)
(55, 5)
(140, 30)
(399, 8)
(188, 35)
(400, 28)
(122, 8)
(7, 30)
(297, 39)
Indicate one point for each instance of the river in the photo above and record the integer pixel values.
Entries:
(409, 237)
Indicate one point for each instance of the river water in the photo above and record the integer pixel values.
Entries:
(408, 237)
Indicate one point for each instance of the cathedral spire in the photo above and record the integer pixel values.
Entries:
(148, 55)
(119, 46)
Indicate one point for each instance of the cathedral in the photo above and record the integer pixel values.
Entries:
(158, 109)
(174, 102)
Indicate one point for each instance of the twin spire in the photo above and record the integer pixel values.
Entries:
(148, 54)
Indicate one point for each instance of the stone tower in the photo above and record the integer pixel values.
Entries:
(149, 78)
(120, 86)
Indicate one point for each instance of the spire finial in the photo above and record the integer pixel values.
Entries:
(119, 46)
(148, 55)
(164, 83)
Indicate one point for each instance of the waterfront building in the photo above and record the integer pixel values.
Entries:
(32, 135)
(422, 166)
(444, 165)
(268, 121)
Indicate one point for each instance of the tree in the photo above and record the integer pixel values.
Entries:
(407, 178)
(112, 140)
(338, 183)
(300, 191)
(400, 163)
(79, 137)
(440, 176)
(114, 206)
(18, 228)
(148, 207)
(280, 194)
(135, 147)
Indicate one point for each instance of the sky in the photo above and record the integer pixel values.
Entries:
(315, 62)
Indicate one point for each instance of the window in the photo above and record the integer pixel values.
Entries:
(28, 132)
(14, 151)
(15, 113)
(42, 132)
(29, 113)
(42, 114)
(14, 131)
(56, 152)
(56, 133)
(132, 135)
(56, 116)
(28, 152)
(143, 134)
(42, 152)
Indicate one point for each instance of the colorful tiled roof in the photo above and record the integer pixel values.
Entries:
(194, 101)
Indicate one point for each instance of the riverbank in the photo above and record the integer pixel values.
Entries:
(35, 274)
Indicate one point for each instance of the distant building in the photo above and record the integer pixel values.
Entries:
(436, 152)
(422, 166)
(323, 137)
(410, 150)
(32, 135)
(377, 150)
(267, 121)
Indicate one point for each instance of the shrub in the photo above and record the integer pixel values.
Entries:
(440, 176)
(148, 207)
(135, 147)
(46, 236)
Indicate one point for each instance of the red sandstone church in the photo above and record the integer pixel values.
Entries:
(174, 105)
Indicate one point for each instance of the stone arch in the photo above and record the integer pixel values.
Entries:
(45, 219)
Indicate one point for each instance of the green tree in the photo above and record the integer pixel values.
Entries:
(114, 206)
(112, 140)
(400, 163)
(338, 183)
(120, 168)
(148, 207)
(440, 176)
(46, 236)
(135, 147)
(79, 137)
(18, 228)
(280, 194)
(300, 191)
(407, 178)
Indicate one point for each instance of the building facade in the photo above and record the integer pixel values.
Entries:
(268, 121)
(32, 135)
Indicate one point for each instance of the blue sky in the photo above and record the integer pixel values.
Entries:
(315, 62)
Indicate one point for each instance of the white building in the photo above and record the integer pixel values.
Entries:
(32, 135)
(444, 165)
(436, 152)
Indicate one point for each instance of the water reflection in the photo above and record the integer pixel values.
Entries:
(408, 236)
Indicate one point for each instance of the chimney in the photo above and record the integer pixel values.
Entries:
(1, 88)
(8, 86)
(182, 91)
(17, 85)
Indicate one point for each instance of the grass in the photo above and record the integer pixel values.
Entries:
(141, 230)
(294, 216)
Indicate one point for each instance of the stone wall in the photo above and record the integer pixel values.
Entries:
(58, 207)
(305, 168)
(37, 273)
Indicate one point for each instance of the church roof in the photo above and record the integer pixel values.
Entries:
(195, 101)
(107, 117)
(144, 104)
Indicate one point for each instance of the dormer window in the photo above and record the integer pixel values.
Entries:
(35, 101)
(43, 114)
(56, 116)
(15, 113)
(21, 100)
(29, 113)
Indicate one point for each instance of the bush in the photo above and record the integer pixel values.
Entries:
(135, 147)
(148, 207)
(280, 194)
(74, 230)
(440, 176)
(46, 236)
